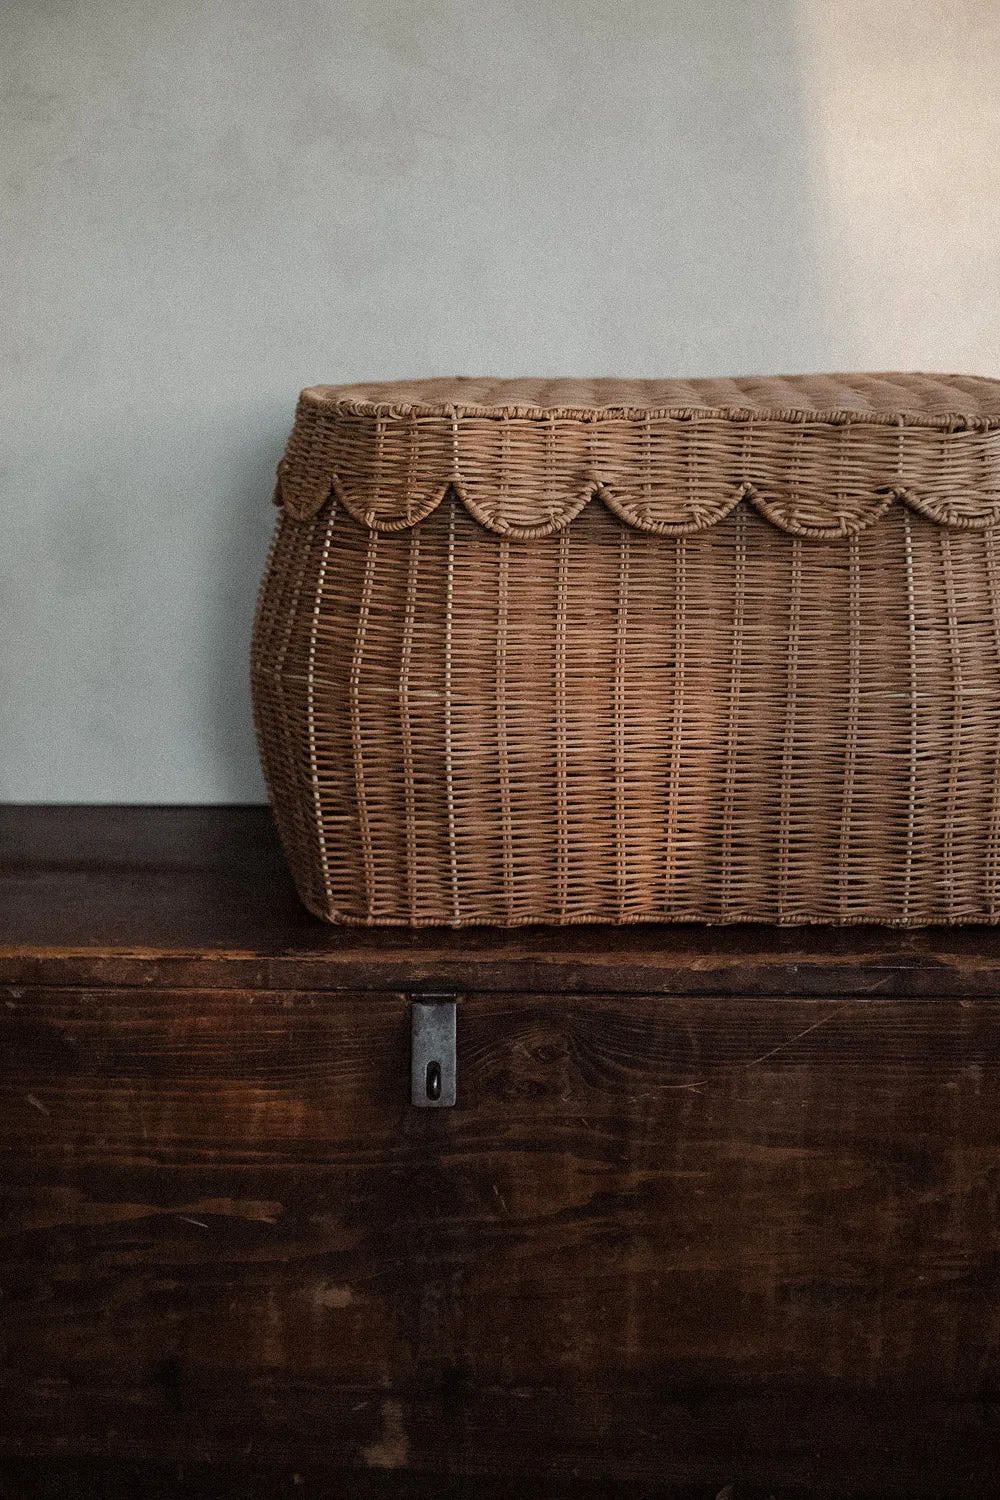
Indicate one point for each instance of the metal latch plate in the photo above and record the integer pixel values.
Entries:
(432, 1053)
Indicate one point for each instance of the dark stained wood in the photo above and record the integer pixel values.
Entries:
(654, 1234)
(906, 1450)
(82, 1479)
(716, 1207)
(181, 896)
(101, 1479)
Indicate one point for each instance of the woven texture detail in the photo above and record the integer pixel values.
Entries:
(611, 723)
(819, 457)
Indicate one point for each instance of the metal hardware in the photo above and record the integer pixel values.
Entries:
(432, 1051)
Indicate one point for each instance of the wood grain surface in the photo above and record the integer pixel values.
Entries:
(718, 1209)
(660, 1239)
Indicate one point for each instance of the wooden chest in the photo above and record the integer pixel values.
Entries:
(713, 1207)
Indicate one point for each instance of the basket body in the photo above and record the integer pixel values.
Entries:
(788, 711)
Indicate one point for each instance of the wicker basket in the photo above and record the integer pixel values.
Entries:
(604, 651)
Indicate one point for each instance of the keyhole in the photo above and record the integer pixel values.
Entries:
(433, 1080)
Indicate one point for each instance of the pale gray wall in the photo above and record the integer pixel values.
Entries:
(211, 203)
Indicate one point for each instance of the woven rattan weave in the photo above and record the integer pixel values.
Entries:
(623, 651)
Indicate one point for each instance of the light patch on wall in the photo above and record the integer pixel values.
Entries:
(902, 104)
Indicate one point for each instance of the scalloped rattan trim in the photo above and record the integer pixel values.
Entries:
(526, 471)
(941, 509)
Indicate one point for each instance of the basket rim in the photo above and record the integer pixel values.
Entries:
(346, 400)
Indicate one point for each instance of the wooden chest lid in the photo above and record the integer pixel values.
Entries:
(190, 898)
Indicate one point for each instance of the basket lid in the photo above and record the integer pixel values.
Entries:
(817, 455)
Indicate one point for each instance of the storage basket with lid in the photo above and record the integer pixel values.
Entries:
(621, 651)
